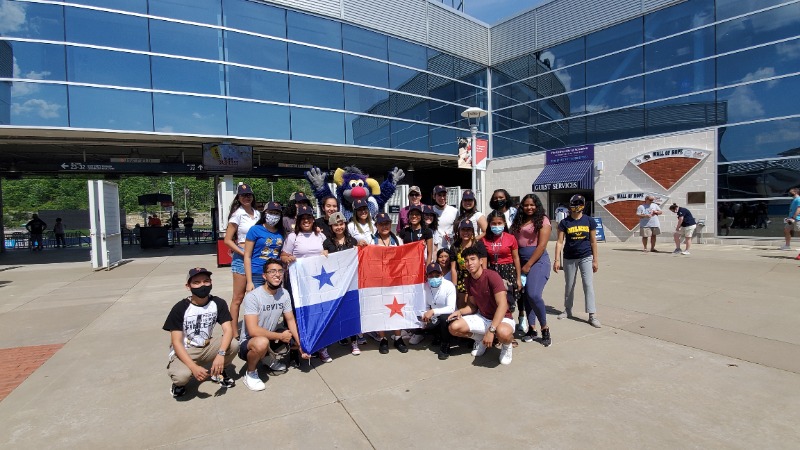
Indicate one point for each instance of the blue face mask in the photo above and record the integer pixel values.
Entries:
(497, 229)
(435, 282)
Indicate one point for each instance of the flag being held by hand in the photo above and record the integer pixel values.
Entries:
(354, 291)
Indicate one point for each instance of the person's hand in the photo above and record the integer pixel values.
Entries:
(250, 286)
(325, 253)
(362, 243)
(286, 336)
(595, 266)
(290, 259)
(557, 266)
(305, 355)
(488, 339)
(426, 317)
(217, 365)
(200, 373)
(519, 283)
(525, 269)
(454, 316)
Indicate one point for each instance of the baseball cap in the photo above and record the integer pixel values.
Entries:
(415, 208)
(336, 217)
(433, 267)
(383, 218)
(428, 209)
(244, 189)
(466, 223)
(415, 189)
(438, 189)
(303, 210)
(299, 197)
(197, 271)
(274, 206)
(468, 195)
(360, 203)
(577, 199)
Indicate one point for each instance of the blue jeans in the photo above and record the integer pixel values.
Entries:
(237, 264)
(571, 267)
(534, 286)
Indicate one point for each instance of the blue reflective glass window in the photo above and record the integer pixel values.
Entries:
(314, 30)
(560, 81)
(772, 139)
(679, 49)
(256, 17)
(624, 35)
(615, 66)
(441, 88)
(408, 107)
(110, 109)
(407, 80)
(515, 142)
(409, 136)
(758, 63)
(186, 114)
(185, 40)
(366, 71)
(503, 97)
(108, 29)
(730, 8)
(564, 133)
(681, 17)
(248, 119)
(553, 108)
(759, 179)
(138, 6)
(315, 61)
(366, 100)
(469, 72)
(470, 95)
(562, 55)
(314, 92)
(32, 20)
(202, 11)
(37, 105)
(615, 125)
(759, 28)
(367, 131)
(32, 61)
(88, 65)
(441, 63)
(442, 113)
(681, 80)
(5, 102)
(258, 84)
(615, 95)
(364, 42)
(684, 113)
(510, 71)
(311, 125)
(515, 117)
(443, 140)
(761, 100)
(180, 75)
(255, 51)
(524, 91)
(408, 54)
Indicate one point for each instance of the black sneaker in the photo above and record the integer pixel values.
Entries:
(529, 336)
(177, 391)
(436, 341)
(546, 341)
(383, 347)
(400, 345)
(294, 358)
(344, 342)
(224, 380)
(444, 352)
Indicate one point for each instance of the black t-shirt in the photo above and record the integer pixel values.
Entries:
(37, 226)
(322, 224)
(332, 247)
(408, 235)
(688, 218)
(577, 244)
(188, 222)
(197, 322)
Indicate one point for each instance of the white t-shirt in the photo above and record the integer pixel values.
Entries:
(243, 221)
(561, 213)
(647, 222)
(362, 232)
(474, 218)
(441, 300)
(446, 218)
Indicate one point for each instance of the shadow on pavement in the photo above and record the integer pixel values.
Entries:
(25, 257)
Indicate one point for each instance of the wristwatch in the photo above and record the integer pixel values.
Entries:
(221, 353)
(492, 330)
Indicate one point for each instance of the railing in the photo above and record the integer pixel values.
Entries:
(22, 240)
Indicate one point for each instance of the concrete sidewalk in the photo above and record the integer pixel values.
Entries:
(699, 351)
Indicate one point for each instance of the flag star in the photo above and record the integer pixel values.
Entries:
(324, 277)
(395, 308)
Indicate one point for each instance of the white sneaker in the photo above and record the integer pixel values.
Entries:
(324, 356)
(506, 354)
(566, 314)
(478, 349)
(416, 339)
(354, 350)
(785, 247)
(594, 321)
(252, 381)
(685, 252)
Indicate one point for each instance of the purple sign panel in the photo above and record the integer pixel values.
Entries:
(570, 154)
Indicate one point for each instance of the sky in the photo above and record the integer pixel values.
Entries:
(492, 11)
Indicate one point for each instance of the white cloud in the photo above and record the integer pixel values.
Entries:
(36, 106)
(166, 129)
(743, 104)
(789, 50)
(788, 132)
(12, 17)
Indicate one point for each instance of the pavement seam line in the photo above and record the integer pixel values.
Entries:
(341, 402)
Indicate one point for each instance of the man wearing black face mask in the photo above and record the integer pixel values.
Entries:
(191, 324)
(501, 202)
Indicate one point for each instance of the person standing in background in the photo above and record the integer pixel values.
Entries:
(36, 227)
(58, 230)
(649, 226)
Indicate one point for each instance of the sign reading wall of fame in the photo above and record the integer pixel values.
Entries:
(668, 166)
(622, 206)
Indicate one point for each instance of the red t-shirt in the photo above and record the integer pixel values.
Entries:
(482, 291)
(499, 250)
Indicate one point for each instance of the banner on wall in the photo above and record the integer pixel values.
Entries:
(465, 153)
(668, 166)
(622, 205)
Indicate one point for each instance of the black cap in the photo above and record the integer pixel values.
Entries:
(360, 203)
(576, 200)
(304, 210)
(466, 223)
(428, 209)
(273, 206)
(433, 267)
(439, 188)
(468, 195)
(244, 189)
(197, 271)
(417, 208)
(300, 197)
(383, 218)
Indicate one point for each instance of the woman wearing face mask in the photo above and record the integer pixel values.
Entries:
(361, 226)
(469, 211)
(305, 241)
(501, 202)
(532, 228)
(329, 206)
(464, 240)
(264, 241)
(241, 218)
(503, 255)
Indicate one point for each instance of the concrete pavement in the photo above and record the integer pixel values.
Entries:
(699, 351)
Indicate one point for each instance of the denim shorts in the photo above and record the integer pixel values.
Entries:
(237, 264)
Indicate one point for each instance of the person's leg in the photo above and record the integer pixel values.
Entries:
(537, 278)
(587, 276)
(653, 242)
(688, 241)
(677, 237)
(239, 286)
(257, 348)
(644, 241)
(787, 233)
(178, 372)
(570, 267)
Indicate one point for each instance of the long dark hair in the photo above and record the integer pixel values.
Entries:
(457, 241)
(434, 225)
(278, 226)
(537, 218)
(297, 231)
(236, 204)
(464, 214)
(325, 200)
(490, 236)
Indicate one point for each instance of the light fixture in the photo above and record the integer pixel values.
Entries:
(410, 167)
(599, 166)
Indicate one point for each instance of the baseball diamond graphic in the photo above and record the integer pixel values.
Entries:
(668, 166)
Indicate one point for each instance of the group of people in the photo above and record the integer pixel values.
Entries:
(650, 226)
(174, 223)
(479, 269)
(36, 228)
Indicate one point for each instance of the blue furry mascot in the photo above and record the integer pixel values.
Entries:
(352, 184)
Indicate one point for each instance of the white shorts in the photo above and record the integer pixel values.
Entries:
(686, 232)
(480, 325)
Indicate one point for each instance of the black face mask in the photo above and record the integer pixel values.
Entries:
(497, 203)
(273, 287)
(201, 292)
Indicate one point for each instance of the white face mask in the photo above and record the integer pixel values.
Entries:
(271, 219)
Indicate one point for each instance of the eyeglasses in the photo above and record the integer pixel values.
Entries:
(276, 272)
(414, 194)
(201, 282)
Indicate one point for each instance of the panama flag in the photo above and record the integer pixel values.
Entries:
(370, 288)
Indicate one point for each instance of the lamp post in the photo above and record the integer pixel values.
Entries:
(473, 114)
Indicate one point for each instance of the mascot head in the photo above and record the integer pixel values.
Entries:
(353, 185)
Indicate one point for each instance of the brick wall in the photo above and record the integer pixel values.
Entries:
(667, 171)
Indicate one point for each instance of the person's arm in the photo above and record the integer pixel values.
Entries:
(218, 365)
(288, 317)
(200, 373)
(483, 224)
(248, 261)
(499, 314)
(515, 256)
(557, 257)
(640, 212)
(431, 254)
(796, 212)
(230, 236)
(541, 247)
(288, 248)
(593, 241)
(680, 222)
(454, 270)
